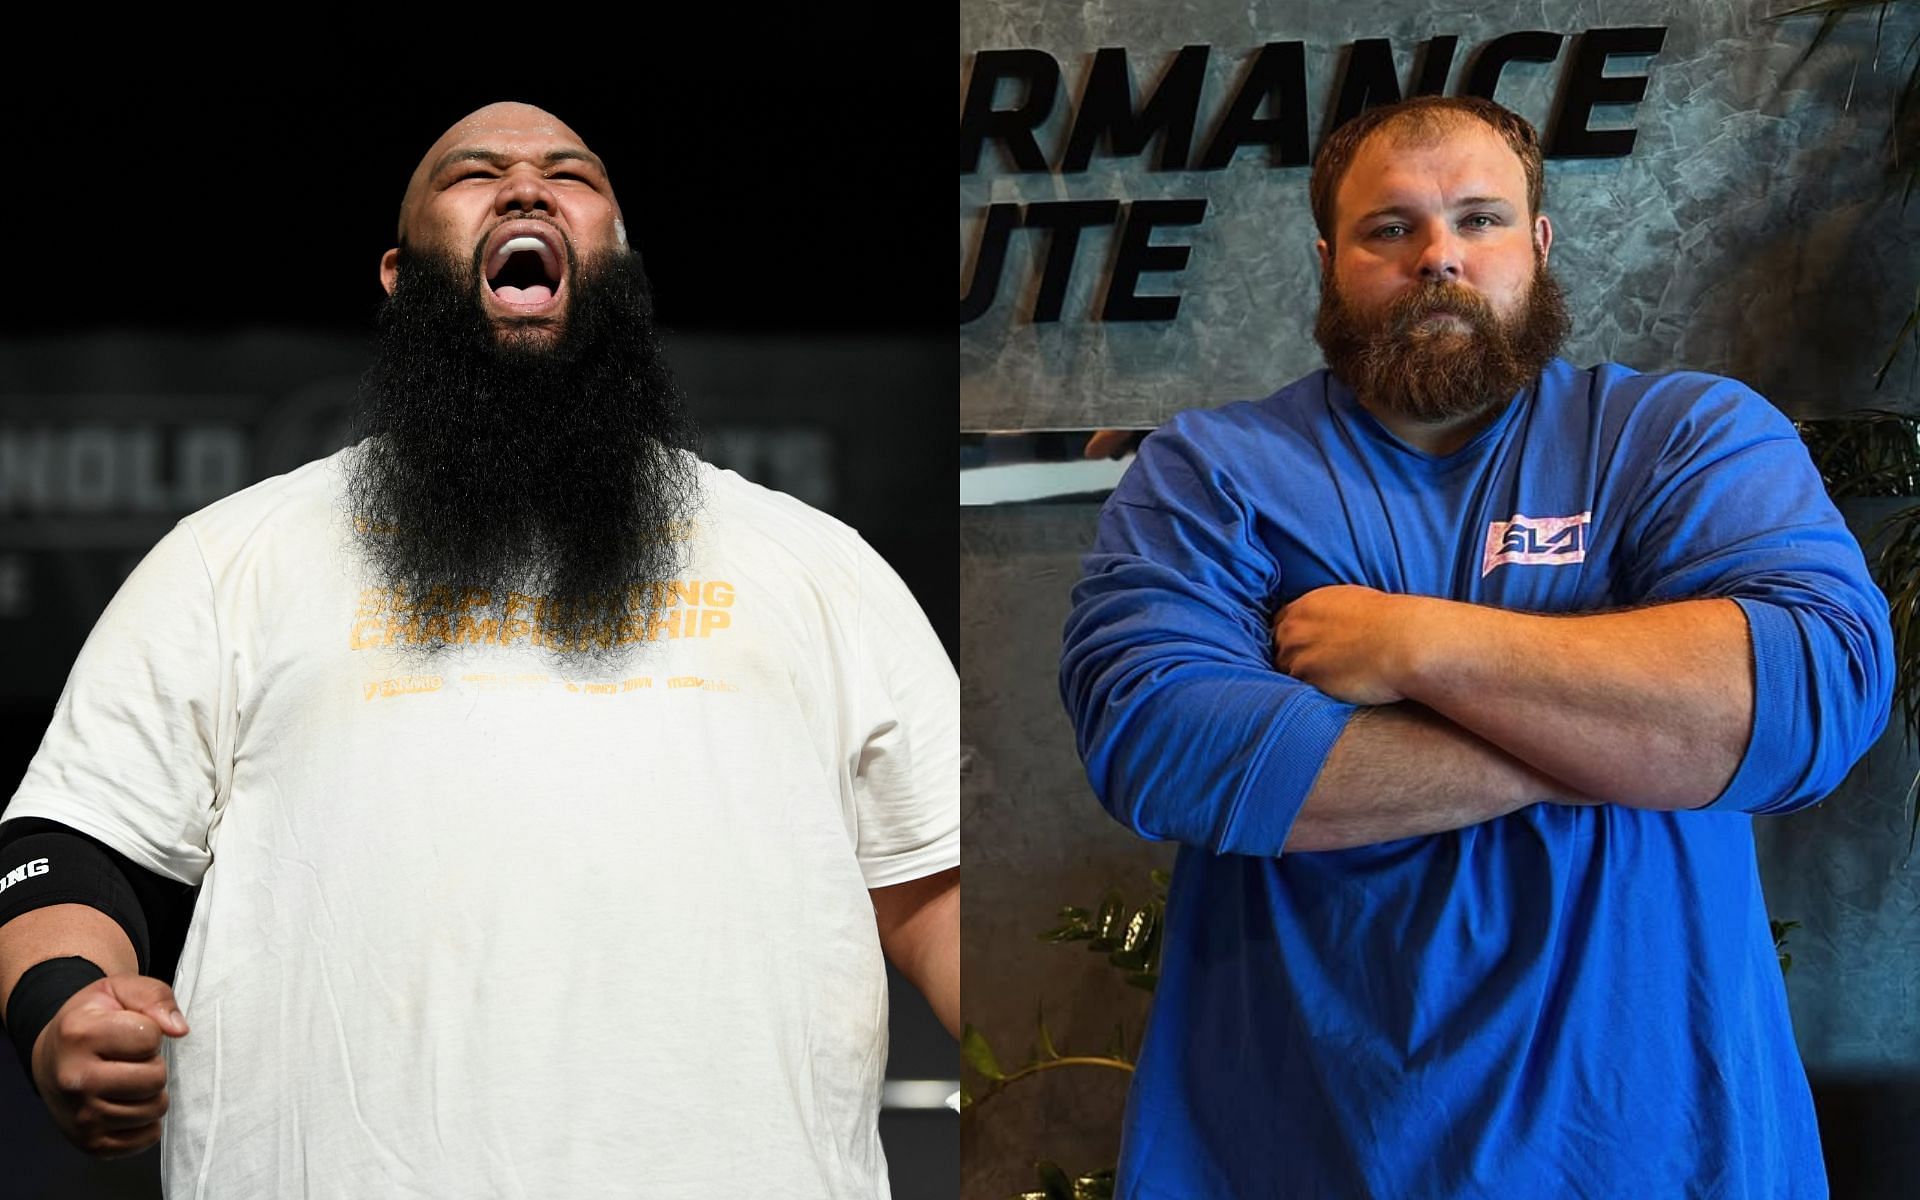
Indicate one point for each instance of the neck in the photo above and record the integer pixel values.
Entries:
(1436, 438)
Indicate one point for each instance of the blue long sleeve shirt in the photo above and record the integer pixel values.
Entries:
(1566, 1001)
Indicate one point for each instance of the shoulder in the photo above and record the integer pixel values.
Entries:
(1211, 447)
(302, 506)
(1669, 408)
(1671, 392)
(1293, 411)
(776, 531)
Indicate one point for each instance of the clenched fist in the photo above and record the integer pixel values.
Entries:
(98, 1063)
(1351, 642)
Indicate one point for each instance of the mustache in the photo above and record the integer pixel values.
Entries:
(1404, 312)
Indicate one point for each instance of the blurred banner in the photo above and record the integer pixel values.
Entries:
(107, 439)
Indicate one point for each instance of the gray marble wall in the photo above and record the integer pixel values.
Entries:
(1034, 839)
(1751, 232)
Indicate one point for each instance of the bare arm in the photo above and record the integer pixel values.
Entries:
(57, 931)
(919, 923)
(1401, 770)
(1649, 708)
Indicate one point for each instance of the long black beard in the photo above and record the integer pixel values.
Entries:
(543, 478)
(1446, 375)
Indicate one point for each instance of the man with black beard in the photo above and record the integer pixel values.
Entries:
(553, 795)
(1426, 659)
(507, 461)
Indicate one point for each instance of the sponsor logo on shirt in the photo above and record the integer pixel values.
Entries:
(1536, 541)
(37, 867)
(673, 609)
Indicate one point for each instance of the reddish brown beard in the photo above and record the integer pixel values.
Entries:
(1445, 375)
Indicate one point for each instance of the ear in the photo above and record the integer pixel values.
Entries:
(1326, 256)
(390, 269)
(1542, 235)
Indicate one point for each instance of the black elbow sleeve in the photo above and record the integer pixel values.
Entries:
(44, 863)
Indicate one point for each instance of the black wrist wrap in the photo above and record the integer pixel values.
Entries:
(41, 992)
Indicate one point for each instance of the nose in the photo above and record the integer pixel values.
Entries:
(1440, 257)
(523, 190)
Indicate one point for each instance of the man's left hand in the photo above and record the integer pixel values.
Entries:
(1353, 643)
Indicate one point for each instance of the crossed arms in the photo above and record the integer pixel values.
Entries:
(1649, 708)
(1752, 668)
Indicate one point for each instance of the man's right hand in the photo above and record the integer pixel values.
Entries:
(98, 1063)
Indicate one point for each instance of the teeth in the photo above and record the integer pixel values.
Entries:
(513, 246)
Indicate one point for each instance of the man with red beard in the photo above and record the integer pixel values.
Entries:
(1428, 660)
(553, 795)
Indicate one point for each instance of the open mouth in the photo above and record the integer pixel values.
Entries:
(525, 269)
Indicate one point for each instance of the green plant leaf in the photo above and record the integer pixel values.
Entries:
(1106, 927)
(1065, 933)
(1054, 1180)
(978, 1055)
(1155, 937)
(1046, 1039)
(1130, 953)
(1094, 1185)
(1905, 335)
(1074, 926)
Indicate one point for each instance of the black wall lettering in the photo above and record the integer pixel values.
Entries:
(1368, 80)
(1106, 108)
(1138, 256)
(1435, 61)
(989, 260)
(1532, 45)
(1063, 220)
(1011, 127)
(1277, 76)
(1585, 87)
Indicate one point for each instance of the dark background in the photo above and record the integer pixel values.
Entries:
(195, 236)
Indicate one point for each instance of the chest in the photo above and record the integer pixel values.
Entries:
(1538, 522)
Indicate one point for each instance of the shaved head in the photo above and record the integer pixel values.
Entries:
(522, 430)
(504, 179)
(493, 124)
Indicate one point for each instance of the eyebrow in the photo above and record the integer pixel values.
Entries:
(498, 160)
(1394, 210)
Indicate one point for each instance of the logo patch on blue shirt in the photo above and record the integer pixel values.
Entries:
(1536, 541)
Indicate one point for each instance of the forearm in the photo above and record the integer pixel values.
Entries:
(58, 931)
(1401, 771)
(919, 924)
(1649, 708)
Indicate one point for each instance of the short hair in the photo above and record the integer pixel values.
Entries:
(1423, 117)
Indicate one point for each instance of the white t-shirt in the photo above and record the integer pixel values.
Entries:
(486, 926)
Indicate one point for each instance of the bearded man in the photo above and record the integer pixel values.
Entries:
(552, 795)
(1429, 660)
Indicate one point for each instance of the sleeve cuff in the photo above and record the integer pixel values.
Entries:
(1774, 759)
(1289, 763)
(930, 859)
